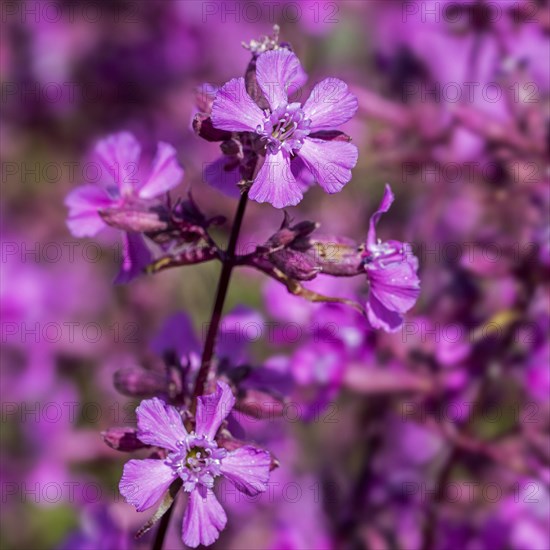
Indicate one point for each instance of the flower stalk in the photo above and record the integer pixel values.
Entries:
(160, 535)
(228, 262)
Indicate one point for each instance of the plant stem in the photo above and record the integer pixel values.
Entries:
(228, 263)
(163, 528)
(221, 293)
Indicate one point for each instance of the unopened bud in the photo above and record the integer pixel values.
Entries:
(202, 124)
(296, 236)
(258, 404)
(338, 257)
(138, 382)
(133, 219)
(295, 264)
(122, 439)
(232, 147)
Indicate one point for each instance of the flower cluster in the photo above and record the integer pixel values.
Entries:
(274, 148)
(196, 459)
(294, 142)
(373, 372)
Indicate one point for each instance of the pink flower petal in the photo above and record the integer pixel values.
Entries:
(212, 410)
(276, 71)
(160, 424)
(234, 110)
(119, 157)
(217, 176)
(329, 161)
(144, 482)
(304, 177)
(396, 283)
(166, 172)
(136, 256)
(204, 518)
(330, 104)
(394, 289)
(275, 183)
(381, 317)
(248, 468)
(385, 205)
(84, 204)
(177, 334)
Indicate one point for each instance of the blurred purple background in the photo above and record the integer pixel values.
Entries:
(434, 437)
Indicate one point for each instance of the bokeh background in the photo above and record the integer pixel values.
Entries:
(432, 437)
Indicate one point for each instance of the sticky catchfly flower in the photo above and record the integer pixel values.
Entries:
(196, 459)
(122, 197)
(392, 273)
(121, 183)
(290, 131)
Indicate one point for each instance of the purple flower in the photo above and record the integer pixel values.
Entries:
(196, 459)
(537, 373)
(120, 188)
(135, 257)
(290, 130)
(118, 157)
(391, 271)
(99, 528)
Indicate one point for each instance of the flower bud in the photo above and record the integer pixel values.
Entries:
(138, 382)
(295, 264)
(232, 147)
(337, 256)
(202, 124)
(122, 439)
(134, 218)
(295, 235)
(259, 404)
(188, 223)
